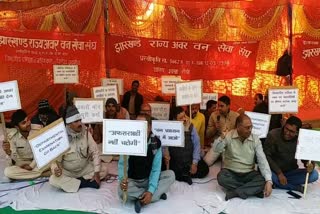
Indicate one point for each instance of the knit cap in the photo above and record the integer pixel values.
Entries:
(72, 114)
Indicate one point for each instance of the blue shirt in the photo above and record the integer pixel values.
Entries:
(196, 145)
(154, 174)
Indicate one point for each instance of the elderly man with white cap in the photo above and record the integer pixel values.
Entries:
(80, 166)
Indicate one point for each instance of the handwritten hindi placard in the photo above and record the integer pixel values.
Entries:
(171, 133)
(168, 84)
(111, 81)
(49, 143)
(188, 93)
(260, 123)
(65, 74)
(9, 96)
(283, 100)
(308, 147)
(90, 109)
(206, 97)
(161, 111)
(124, 137)
(105, 92)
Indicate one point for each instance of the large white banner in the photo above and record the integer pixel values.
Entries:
(91, 110)
(105, 92)
(206, 97)
(65, 74)
(188, 93)
(171, 133)
(125, 137)
(308, 147)
(160, 111)
(283, 100)
(168, 84)
(9, 96)
(49, 143)
(110, 81)
(260, 123)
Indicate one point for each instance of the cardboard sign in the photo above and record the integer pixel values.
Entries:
(188, 93)
(91, 110)
(260, 123)
(124, 137)
(168, 84)
(65, 74)
(105, 92)
(49, 143)
(283, 100)
(161, 111)
(206, 97)
(9, 96)
(171, 133)
(110, 81)
(308, 147)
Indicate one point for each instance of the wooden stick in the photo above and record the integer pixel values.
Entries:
(167, 154)
(190, 114)
(125, 177)
(3, 127)
(306, 182)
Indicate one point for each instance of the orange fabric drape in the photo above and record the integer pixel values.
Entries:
(74, 16)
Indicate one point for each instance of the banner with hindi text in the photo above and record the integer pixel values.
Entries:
(45, 49)
(189, 59)
(306, 57)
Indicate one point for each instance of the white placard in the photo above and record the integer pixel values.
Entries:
(283, 100)
(308, 147)
(105, 92)
(91, 110)
(9, 96)
(49, 143)
(188, 93)
(171, 133)
(260, 122)
(110, 81)
(161, 111)
(206, 97)
(168, 84)
(65, 74)
(125, 137)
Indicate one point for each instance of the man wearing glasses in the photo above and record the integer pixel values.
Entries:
(238, 175)
(280, 149)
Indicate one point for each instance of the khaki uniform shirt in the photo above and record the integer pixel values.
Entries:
(21, 151)
(82, 154)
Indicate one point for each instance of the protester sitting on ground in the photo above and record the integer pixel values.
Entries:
(45, 116)
(263, 107)
(258, 98)
(238, 177)
(186, 161)
(198, 121)
(145, 183)
(112, 112)
(146, 109)
(211, 106)
(80, 167)
(220, 121)
(19, 150)
(280, 149)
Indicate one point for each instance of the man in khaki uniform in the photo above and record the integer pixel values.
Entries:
(220, 121)
(19, 150)
(80, 166)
